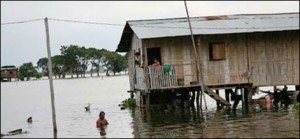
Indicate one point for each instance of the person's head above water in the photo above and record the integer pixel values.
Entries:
(102, 114)
(29, 120)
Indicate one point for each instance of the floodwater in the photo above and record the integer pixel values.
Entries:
(20, 100)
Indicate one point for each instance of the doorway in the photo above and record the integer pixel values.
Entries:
(153, 53)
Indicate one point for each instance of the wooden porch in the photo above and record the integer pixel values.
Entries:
(164, 78)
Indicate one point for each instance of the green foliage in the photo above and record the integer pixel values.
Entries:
(75, 59)
(69, 55)
(38, 75)
(43, 64)
(128, 103)
(27, 71)
(59, 66)
(296, 107)
(118, 63)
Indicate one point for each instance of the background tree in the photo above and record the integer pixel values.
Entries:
(76, 60)
(43, 64)
(83, 59)
(59, 66)
(26, 71)
(107, 61)
(99, 60)
(95, 57)
(126, 62)
(118, 63)
(69, 53)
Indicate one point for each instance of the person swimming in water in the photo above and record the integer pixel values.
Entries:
(29, 120)
(102, 123)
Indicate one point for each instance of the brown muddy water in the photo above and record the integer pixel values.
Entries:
(20, 100)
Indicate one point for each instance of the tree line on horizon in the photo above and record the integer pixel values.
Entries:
(75, 60)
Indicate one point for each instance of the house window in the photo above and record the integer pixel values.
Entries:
(217, 51)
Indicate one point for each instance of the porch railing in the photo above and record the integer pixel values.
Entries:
(163, 76)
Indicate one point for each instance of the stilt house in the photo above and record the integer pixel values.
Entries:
(8, 72)
(231, 50)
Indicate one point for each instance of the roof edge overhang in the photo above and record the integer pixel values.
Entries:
(126, 38)
(146, 38)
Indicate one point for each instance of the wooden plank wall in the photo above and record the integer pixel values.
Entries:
(275, 58)
(136, 43)
(130, 69)
(178, 52)
(140, 77)
(228, 71)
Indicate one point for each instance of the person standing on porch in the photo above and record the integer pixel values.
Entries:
(143, 62)
(156, 63)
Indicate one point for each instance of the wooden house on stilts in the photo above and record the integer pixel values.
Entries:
(244, 51)
(8, 73)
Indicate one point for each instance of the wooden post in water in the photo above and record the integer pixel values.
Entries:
(243, 98)
(218, 104)
(197, 97)
(297, 87)
(249, 97)
(50, 75)
(147, 100)
(199, 77)
(201, 103)
(227, 95)
(246, 93)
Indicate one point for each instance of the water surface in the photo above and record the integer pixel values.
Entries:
(20, 100)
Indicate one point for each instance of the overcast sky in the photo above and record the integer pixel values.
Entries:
(26, 42)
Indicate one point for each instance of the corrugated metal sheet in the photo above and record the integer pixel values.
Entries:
(225, 25)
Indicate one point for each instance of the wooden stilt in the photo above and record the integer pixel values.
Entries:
(201, 104)
(246, 93)
(243, 96)
(297, 87)
(227, 95)
(250, 92)
(197, 97)
(218, 104)
(147, 100)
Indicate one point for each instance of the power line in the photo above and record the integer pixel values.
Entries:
(86, 22)
(20, 22)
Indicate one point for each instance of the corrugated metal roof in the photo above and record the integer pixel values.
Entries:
(225, 24)
(229, 24)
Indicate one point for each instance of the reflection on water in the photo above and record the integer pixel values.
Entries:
(222, 123)
(24, 99)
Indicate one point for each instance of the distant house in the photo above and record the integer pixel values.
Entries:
(248, 50)
(8, 72)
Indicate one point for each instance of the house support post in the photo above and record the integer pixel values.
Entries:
(218, 104)
(197, 97)
(297, 87)
(227, 95)
(246, 99)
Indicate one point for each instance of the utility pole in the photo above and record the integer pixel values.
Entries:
(200, 78)
(51, 79)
